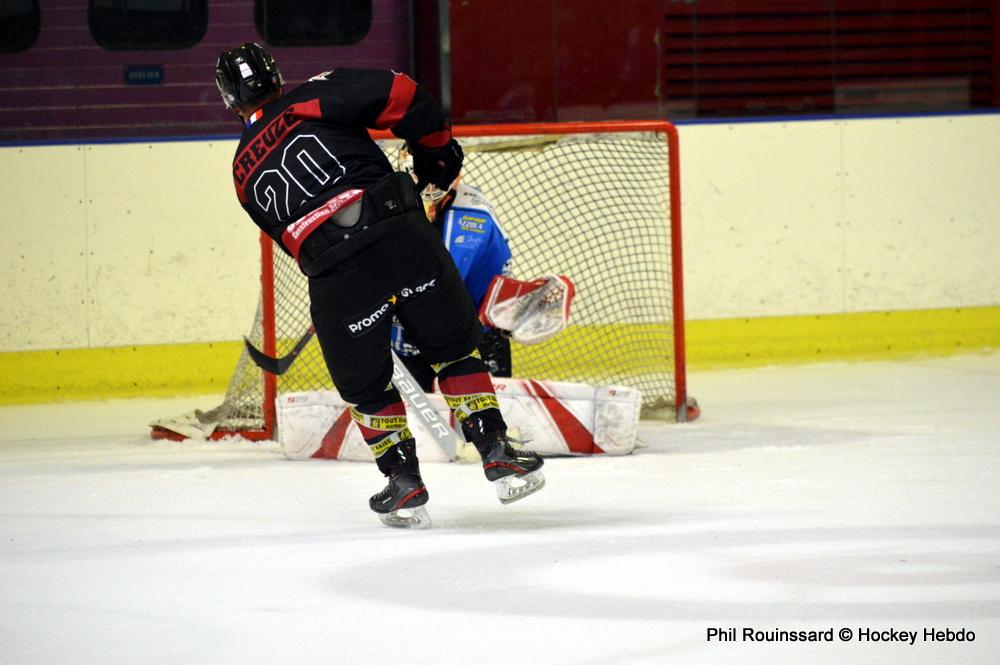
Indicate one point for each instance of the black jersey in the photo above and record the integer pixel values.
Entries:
(303, 149)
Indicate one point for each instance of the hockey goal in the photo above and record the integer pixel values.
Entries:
(599, 202)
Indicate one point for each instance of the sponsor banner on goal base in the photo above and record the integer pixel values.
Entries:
(552, 418)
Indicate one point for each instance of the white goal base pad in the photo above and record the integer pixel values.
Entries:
(551, 418)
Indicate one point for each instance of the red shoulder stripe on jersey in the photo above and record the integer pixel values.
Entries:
(309, 109)
(400, 96)
(437, 139)
(267, 140)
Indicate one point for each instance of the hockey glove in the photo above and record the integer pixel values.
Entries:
(437, 167)
(531, 312)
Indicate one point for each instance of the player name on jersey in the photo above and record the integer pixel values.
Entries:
(262, 145)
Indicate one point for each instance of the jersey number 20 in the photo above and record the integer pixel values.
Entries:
(306, 168)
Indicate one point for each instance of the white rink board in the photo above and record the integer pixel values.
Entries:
(119, 244)
(761, 219)
(44, 253)
(925, 232)
(827, 217)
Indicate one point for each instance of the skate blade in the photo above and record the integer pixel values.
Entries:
(513, 488)
(407, 518)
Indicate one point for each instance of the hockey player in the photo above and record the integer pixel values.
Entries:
(308, 174)
(471, 231)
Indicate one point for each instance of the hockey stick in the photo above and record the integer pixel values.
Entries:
(413, 395)
(408, 388)
(278, 366)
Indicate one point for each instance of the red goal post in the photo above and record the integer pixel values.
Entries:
(597, 201)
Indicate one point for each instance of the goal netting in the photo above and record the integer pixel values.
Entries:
(598, 202)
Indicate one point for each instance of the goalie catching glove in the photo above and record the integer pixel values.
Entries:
(531, 312)
(437, 167)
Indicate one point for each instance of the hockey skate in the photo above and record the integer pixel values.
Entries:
(401, 503)
(515, 473)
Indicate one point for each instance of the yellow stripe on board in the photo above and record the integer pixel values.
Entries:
(193, 369)
(131, 371)
(783, 340)
(580, 350)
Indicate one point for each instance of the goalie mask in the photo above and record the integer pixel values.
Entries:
(246, 75)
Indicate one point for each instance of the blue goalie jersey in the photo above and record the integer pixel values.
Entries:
(477, 244)
(476, 241)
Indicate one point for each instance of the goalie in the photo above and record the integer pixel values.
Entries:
(528, 312)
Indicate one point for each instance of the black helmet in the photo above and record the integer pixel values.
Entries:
(246, 74)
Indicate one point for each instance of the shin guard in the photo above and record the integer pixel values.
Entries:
(383, 425)
(468, 390)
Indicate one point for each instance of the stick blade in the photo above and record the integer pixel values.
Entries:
(276, 366)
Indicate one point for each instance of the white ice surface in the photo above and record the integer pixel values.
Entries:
(861, 495)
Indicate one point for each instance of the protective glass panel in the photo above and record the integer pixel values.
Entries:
(312, 22)
(146, 25)
(20, 22)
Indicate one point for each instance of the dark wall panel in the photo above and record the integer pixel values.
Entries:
(529, 60)
(590, 60)
(729, 58)
(67, 88)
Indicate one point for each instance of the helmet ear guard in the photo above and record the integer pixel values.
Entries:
(246, 75)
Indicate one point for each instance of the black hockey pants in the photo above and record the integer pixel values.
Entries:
(406, 272)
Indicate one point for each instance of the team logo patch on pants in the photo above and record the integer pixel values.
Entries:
(408, 292)
(359, 325)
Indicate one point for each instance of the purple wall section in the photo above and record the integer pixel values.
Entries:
(67, 88)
